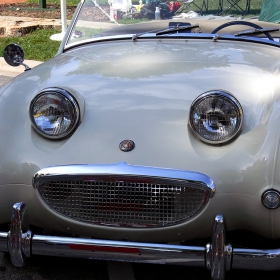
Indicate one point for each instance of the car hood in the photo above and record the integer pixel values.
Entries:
(157, 58)
(142, 91)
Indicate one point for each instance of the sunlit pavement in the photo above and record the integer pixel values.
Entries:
(7, 72)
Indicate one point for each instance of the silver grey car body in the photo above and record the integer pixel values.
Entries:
(102, 143)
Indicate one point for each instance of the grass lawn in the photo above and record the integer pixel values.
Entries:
(38, 45)
(255, 7)
(68, 2)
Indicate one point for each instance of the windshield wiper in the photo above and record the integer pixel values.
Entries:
(171, 30)
(135, 36)
(176, 28)
(256, 31)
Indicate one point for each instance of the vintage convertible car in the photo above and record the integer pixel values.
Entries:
(140, 138)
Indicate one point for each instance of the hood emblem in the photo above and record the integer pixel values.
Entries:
(127, 145)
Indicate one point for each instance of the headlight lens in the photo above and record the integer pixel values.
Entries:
(216, 117)
(54, 113)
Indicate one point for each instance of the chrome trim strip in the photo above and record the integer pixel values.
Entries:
(3, 242)
(71, 26)
(117, 250)
(122, 169)
(256, 259)
(185, 36)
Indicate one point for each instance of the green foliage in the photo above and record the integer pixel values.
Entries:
(68, 2)
(37, 45)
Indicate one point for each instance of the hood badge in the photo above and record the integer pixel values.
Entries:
(127, 145)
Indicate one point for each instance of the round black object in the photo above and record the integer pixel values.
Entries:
(14, 55)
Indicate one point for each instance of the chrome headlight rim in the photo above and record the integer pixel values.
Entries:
(61, 93)
(221, 94)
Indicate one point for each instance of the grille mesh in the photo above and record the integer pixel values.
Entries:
(131, 202)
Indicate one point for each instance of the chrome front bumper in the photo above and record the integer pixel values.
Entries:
(217, 256)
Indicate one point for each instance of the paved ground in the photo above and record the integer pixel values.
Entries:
(8, 72)
(6, 76)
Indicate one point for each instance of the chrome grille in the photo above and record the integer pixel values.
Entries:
(131, 201)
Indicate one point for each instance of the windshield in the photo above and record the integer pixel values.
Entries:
(100, 18)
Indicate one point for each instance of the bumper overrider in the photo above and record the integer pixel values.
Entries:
(216, 256)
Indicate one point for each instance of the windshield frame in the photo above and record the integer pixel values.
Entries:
(151, 33)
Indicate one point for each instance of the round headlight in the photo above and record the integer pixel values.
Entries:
(54, 113)
(216, 117)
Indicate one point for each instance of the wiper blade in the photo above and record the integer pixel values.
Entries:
(256, 31)
(176, 28)
(171, 30)
(136, 36)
